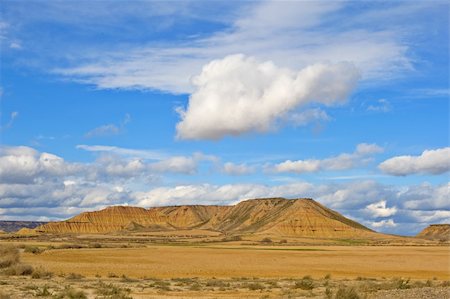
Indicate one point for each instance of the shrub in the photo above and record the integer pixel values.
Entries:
(112, 291)
(18, 269)
(347, 293)
(74, 276)
(328, 293)
(95, 245)
(9, 255)
(128, 279)
(41, 273)
(70, 293)
(4, 296)
(216, 283)
(33, 249)
(44, 292)
(232, 238)
(195, 287)
(402, 284)
(306, 283)
(254, 286)
(284, 241)
(266, 240)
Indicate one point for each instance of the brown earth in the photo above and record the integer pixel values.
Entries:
(270, 217)
(436, 232)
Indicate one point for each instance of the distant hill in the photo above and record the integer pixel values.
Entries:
(13, 226)
(268, 216)
(436, 232)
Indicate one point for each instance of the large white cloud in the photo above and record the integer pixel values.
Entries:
(429, 162)
(380, 209)
(23, 164)
(239, 94)
(360, 156)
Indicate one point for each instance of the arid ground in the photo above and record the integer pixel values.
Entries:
(113, 268)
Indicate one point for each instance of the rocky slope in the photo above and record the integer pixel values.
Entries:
(436, 232)
(270, 216)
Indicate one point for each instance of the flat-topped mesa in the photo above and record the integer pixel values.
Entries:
(272, 216)
(436, 232)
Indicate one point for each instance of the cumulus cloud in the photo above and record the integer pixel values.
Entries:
(384, 223)
(24, 164)
(429, 162)
(360, 156)
(427, 197)
(239, 94)
(379, 209)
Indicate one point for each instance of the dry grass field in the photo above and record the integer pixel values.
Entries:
(163, 261)
(114, 267)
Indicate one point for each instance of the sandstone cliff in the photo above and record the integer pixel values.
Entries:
(272, 216)
(436, 232)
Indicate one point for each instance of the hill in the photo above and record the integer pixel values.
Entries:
(13, 226)
(268, 216)
(436, 232)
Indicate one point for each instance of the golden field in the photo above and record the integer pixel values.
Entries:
(169, 261)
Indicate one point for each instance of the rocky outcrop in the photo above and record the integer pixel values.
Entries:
(270, 216)
(436, 232)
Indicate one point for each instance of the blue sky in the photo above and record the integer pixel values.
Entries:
(159, 103)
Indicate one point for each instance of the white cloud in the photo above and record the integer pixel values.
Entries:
(104, 130)
(239, 94)
(294, 34)
(384, 223)
(23, 164)
(429, 162)
(308, 116)
(237, 169)
(126, 152)
(11, 121)
(109, 129)
(427, 197)
(341, 162)
(177, 164)
(382, 105)
(379, 209)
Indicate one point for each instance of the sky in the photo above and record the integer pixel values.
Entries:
(151, 103)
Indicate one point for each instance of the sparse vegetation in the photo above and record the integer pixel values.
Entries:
(41, 273)
(33, 249)
(9, 255)
(110, 291)
(347, 293)
(70, 293)
(306, 283)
